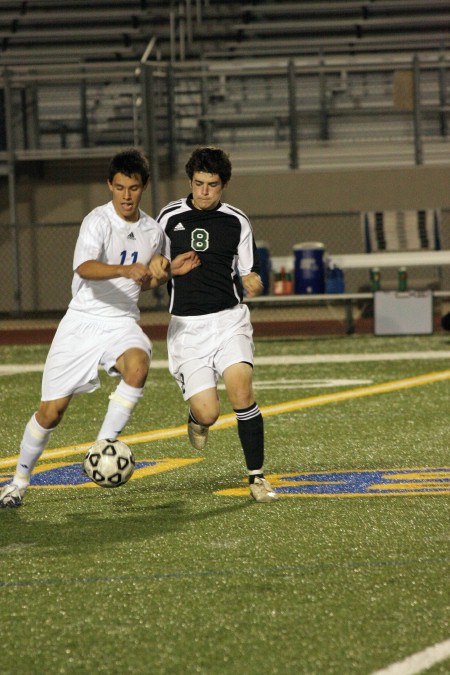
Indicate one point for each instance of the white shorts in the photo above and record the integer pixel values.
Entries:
(200, 348)
(80, 345)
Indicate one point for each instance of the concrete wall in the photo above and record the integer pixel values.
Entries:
(342, 190)
(66, 192)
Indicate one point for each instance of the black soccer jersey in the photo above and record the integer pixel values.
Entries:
(223, 239)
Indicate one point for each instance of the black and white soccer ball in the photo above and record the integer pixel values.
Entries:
(109, 463)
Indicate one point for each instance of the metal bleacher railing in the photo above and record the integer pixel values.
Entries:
(299, 111)
(294, 79)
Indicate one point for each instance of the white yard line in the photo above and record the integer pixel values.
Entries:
(420, 662)
(287, 360)
(19, 368)
(350, 358)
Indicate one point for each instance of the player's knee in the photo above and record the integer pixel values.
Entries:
(135, 373)
(136, 378)
(205, 416)
(241, 398)
(49, 416)
(208, 420)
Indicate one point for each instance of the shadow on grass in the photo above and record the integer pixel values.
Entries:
(111, 523)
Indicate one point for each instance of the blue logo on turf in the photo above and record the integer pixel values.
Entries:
(377, 482)
(69, 475)
(357, 483)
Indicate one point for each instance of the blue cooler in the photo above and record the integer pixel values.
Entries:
(266, 266)
(334, 280)
(309, 268)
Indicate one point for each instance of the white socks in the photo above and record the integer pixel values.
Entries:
(33, 443)
(121, 404)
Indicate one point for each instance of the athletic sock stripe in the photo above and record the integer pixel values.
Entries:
(249, 414)
(121, 400)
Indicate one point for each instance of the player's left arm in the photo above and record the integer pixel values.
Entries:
(248, 262)
(253, 284)
(184, 263)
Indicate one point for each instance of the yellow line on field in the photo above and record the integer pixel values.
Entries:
(226, 421)
(384, 388)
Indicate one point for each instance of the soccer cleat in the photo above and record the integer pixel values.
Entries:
(262, 491)
(198, 435)
(11, 496)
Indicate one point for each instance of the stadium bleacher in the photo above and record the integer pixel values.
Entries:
(71, 78)
(45, 30)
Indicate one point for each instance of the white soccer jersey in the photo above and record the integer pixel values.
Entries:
(106, 237)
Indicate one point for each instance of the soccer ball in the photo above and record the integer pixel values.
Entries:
(109, 463)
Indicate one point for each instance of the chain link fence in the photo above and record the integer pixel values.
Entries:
(36, 269)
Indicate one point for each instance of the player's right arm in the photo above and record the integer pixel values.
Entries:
(95, 270)
(95, 232)
(159, 267)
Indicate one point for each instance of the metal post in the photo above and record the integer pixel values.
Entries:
(292, 116)
(31, 135)
(15, 240)
(23, 107)
(324, 130)
(442, 73)
(2, 121)
(149, 135)
(205, 125)
(83, 112)
(173, 47)
(171, 116)
(349, 324)
(416, 112)
(189, 22)
(198, 11)
(182, 30)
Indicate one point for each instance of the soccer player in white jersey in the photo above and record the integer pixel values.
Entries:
(210, 334)
(112, 263)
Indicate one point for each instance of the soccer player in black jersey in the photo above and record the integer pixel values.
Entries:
(210, 334)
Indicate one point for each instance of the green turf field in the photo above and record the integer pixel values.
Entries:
(178, 572)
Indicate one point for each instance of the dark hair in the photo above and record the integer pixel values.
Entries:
(131, 163)
(209, 160)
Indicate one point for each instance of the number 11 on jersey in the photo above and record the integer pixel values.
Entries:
(123, 257)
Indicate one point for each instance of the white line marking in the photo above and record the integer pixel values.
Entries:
(349, 358)
(302, 384)
(18, 369)
(287, 360)
(417, 663)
